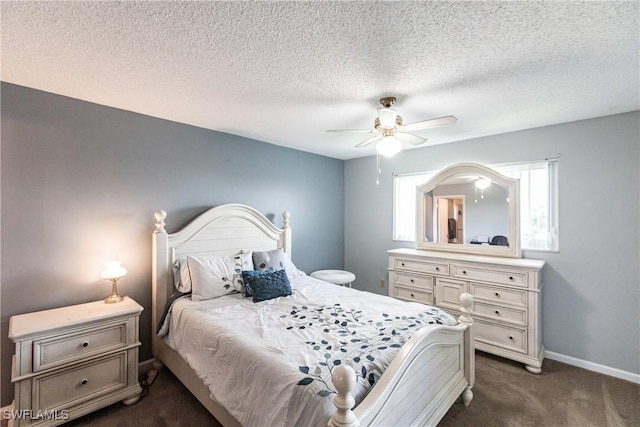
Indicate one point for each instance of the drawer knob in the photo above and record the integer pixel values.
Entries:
(437, 268)
(497, 313)
(402, 264)
(510, 277)
(498, 294)
(411, 295)
(511, 337)
(84, 381)
(85, 344)
(412, 280)
(464, 271)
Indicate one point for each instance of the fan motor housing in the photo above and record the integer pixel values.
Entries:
(378, 126)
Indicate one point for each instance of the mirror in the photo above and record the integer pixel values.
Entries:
(469, 208)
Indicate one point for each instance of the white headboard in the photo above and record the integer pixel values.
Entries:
(221, 231)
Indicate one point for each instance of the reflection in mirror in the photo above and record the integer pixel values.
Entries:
(469, 208)
(449, 213)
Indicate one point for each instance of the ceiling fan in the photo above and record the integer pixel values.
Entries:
(391, 133)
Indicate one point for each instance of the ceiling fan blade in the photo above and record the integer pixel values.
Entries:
(352, 130)
(369, 141)
(410, 138)
(431, 123)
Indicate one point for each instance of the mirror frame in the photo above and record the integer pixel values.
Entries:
(513, 188)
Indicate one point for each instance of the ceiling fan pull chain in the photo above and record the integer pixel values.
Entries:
(378, 170)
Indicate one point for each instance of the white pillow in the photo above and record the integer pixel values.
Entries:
(211, 277)
(291, 269)
(243, 261)
(182, 273)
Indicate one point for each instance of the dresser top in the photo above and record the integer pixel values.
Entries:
(511, 262)
(23, 325)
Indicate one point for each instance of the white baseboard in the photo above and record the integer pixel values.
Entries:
(145, 365)
(595, 367)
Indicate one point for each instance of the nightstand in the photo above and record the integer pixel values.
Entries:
(73, 360)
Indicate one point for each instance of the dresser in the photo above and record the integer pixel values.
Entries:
(506, 291)
(73, 360)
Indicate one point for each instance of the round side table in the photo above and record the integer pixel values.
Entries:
(337, 277)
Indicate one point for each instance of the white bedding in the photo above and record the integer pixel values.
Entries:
(270, 363)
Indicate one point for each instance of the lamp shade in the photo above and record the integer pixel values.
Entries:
(114, 270)
(389, 146)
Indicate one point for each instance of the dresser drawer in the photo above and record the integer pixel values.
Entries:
(421, 266)
(65, 388)
(499, 335)
(507, 277)
(410, 294)
(78, 345)
(511, 315)
(423, 282)
(498, 295)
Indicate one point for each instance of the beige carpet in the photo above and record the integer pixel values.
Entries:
(505, 395)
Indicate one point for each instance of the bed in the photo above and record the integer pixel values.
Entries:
(430, 368)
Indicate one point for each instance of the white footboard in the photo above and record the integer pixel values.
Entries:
(433, 369)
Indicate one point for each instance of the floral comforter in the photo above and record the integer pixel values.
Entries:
(271, 362)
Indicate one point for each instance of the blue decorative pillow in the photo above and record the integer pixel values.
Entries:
(250, 274)
(267, 284)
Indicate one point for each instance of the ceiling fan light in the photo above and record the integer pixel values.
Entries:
(389, 146)
(387, 117)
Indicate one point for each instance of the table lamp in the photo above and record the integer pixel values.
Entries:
(114, 272)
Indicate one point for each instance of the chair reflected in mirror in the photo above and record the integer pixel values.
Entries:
(499, 241)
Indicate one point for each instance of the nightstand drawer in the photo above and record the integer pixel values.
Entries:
(65, 388)
(409, 294)
(505, 277)
(421, 266)
(424, 282)
(79, 345)
(501, 336)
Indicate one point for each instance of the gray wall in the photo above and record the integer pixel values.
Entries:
(591, 301)
(80, 182)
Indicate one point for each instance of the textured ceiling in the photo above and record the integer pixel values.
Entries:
(284, 72)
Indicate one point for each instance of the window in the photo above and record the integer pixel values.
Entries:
(538, 203)
(404, 205)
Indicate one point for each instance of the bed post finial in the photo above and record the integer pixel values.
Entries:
(160, 217)
(286, 235)
(344, 380)
(466, 307)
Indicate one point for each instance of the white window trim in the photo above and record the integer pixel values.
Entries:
(427, 176)
(553, 243)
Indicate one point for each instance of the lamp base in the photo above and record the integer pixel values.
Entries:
(113, 299)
